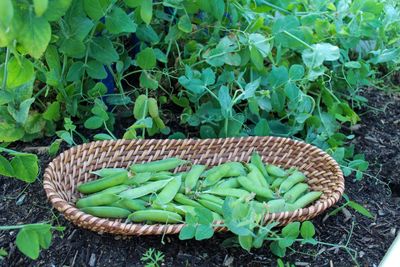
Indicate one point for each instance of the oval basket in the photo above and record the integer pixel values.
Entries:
(75, 165)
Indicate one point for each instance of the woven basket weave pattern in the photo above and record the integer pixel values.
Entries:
(73, 167)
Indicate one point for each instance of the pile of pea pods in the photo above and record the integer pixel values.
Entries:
(151, 193)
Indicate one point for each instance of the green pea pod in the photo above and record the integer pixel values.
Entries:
(146, 189)
(107, 212)
(276, 183)
(229, 169)
(275, 170)
(260, 191)
(307, 199)
(276, 205)
(168, 193)
(229, 183)
(257, 176)
(257, 161)
(103, 183)
(212, 198)
(149, 198)
(169, 207)
(161, 176)
(228, 192)
(184, 200)
(109, 171)
(140, 108)
(289, 182)
(113, 190)
(193, 176)
(211, 206)
(133, 204)
(158, 165)
(97, 200)
(153, 108)
(162, 216)
(295, 192)
(139, 178)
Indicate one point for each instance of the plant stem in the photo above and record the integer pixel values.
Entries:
(6, 69)
(297, 39)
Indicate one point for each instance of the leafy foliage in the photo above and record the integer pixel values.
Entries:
(239, 68)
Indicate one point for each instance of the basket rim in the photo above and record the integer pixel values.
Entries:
(58, 202)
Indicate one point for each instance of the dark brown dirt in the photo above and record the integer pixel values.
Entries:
(378, 136)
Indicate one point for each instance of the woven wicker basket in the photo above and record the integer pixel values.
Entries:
(73, 167)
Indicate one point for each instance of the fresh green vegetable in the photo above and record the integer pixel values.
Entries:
(260, 191)
(257, 161)
(154, 215)
(103, 183)
(107, 212)
(146, 189)
(275, 170)
(184, 200)
(295, 192)
(97, 200)
(294, 178)
(156, 166)
(168, 193)
(193, 176)
(306, 199)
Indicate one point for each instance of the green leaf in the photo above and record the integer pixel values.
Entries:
(204, 232)
(96, 70)
(55, 147)
(251, 88)
(147, 81)
(259, 42)
(292, 91)
(52, 112)
(5, 167)
(225, 101)
(307, 230)
(6, 13)
(246, 241)
(28, 243)
(10, 133)
(277, 250)
(319, 53)
(19, 72)
(5, 97)
(35, 35)
(66, 136)
(146, 59)
(262, 128)
(25, 167)
(185, 24)
(352, 65)
(218, 9)
(146, 11)
(98, 90)
(296, 72)
(291, 230)
(73, 47)
(40, 6)
(207, 131)
(360, 209)
(119, 22)
(103, 137)
(102, 50)
(96, 9)
(187, 232)
(21, 115)
(256, 58)
(57, 9)
(289, 234)
(34, 124)
(94, 122)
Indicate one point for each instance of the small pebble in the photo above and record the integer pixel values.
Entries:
(20, 200)
(92, 261)
(228, 260)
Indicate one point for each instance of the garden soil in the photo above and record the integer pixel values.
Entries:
(378, 136)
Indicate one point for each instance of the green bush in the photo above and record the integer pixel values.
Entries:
(225, 68)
